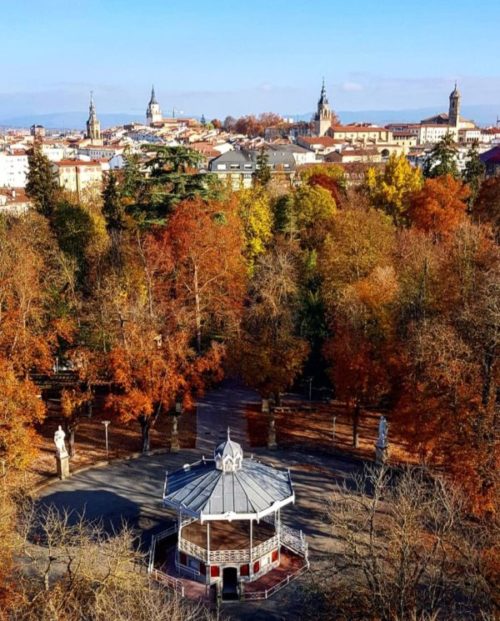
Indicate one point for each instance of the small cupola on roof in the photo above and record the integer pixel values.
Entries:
(228, 455)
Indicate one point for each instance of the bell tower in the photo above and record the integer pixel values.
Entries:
(323, 116)
(153, 112)
(454, 110)
(93, 124)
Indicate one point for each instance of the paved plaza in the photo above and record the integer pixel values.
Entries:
(131, 490)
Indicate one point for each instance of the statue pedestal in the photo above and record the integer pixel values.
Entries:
(62, 467)
(271, 436)
(381, 454)
(174, 441)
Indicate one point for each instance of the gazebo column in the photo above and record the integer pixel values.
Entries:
(208, 543)
(251, 546)
(278, 530)
(179, 537)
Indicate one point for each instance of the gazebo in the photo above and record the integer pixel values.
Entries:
(229, 519)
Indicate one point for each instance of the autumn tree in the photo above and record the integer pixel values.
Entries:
(35, 303)
(207, 249)
(442, 159)
(405, 548)
(305, 214)
(358, 289)
(254, 209)
(440, 205)
(486, 208)
(448, 359)
(21, 408)
(391, 188)
(268, 351)
(331, 178)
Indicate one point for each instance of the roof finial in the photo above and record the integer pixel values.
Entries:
(228, 433)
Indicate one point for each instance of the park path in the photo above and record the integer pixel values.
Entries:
(220, 409)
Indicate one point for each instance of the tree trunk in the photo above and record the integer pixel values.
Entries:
(355, 425)
(71, 442)
(197, 308)
(145, 428)
(70, 434)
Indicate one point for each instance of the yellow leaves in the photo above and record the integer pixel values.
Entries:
(255, 212)
(391, 189)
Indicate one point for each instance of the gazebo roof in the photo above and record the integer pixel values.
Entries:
(206, 492)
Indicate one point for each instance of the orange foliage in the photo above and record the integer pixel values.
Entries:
(20, 409)
(439, 207)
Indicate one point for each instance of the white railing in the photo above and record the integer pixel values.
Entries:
(227, 556)
(193, 573)
(277, 587)
(263, 548)
(168, 581)
(192, 549)
(155, 539)
(294, 540)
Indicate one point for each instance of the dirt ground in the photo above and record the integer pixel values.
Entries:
(123, 440)
(313, 426)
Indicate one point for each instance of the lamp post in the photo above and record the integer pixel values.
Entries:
(333, 428)
(310, 380)
(106, 423)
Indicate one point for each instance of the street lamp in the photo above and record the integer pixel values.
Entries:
(106, 423)
(310, 380)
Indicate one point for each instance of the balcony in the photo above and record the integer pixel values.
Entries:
(230, 541)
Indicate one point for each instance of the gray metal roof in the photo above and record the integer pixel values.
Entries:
(203, 491)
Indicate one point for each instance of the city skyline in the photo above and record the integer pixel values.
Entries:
(371, 58)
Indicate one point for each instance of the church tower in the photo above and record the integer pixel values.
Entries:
(454, 111)
(93, 124)
(153, 113)
(323, 117)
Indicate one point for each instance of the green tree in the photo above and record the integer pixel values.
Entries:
(442, 159)
(390, 189)
(173, 176)
(262, 174)
(474, 172)
(42, 184)
(112, 208)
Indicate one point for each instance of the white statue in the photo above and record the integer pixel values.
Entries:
(59, 436)
(382, 432)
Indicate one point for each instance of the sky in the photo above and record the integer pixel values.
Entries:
(246, 56)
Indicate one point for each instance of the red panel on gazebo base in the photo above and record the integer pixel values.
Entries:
(274, 556)
(256, 567)
(245, 570)
(182, 558)
(214, 571)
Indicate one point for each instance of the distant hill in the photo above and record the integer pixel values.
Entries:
(481, 114)
(69, 120)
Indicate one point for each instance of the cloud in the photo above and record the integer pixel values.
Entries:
(351, 87)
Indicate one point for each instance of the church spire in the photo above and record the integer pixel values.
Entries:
(93, 124)
(153, 111)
